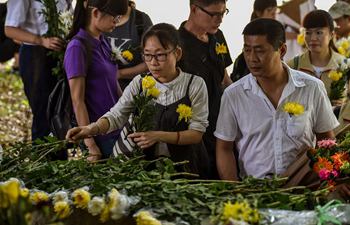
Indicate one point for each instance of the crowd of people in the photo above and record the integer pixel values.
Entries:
(238, 126)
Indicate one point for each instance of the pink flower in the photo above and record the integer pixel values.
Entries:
(324, 174)
(326, 143)
(335, 173)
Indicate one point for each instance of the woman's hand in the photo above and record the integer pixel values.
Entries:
(94, 153)
(145, 139)
(77, 133)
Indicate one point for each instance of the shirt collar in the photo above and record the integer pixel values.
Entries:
(163, 87)
(293, 81)
(305, 63)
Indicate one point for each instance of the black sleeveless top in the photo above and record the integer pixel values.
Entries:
(166, 119)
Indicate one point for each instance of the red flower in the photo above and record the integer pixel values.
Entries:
(339, 159)
(322, 163)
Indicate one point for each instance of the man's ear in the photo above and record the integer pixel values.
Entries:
(282, 50)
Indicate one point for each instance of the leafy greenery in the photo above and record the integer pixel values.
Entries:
(157, 183)
(337, 88)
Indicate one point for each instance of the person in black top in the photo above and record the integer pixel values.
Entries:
(261, 9)
(206, 54)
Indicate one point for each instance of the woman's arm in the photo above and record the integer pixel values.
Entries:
(131, 72)
(77, 89)
(149, 138)
(21, 35)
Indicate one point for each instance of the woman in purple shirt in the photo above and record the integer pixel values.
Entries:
(91, 72)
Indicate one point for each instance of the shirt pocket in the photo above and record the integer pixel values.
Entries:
(297, 125)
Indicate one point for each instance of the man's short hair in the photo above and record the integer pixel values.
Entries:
(272, 29)
(206, 2)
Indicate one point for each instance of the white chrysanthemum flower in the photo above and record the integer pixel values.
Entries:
(343, 66)
(60, 196)
(120, 208)
(66, 18)
(96, 205)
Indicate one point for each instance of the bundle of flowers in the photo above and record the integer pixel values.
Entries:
(343, 46)
(331, 161)
(301, 37)
(18, 204)
(339, 78)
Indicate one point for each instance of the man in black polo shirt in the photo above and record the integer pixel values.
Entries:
(205, 53)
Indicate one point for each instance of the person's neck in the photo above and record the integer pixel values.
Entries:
(320, 59)
(125, 18)
(171, 76)
(93, 32)
(198, 32)
(273, 85)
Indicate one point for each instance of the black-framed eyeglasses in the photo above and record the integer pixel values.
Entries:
(214, 14)
(115, 17)
(160, 57)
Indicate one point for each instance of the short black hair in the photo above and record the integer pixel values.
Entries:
(260, 6)
(205, 3)
(167, 35)
(272, 29)
(318, 18)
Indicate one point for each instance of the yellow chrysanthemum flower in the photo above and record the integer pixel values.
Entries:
(293, 108)
(154, 92)
(145, 218)
(240, 211)
(233, 211)
(221, 48)
(345, 45)
(127, 55)
(9, 192)
(148, 82)
(113, 201)
(105, 214)
(39, 197)
(334, 75)
(185, 112)
(81, 198)
(62, 209)
(24, 192)
(341, 50)
(301, 39)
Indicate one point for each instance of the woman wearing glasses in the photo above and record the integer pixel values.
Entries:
(90, 70)
(177, 139)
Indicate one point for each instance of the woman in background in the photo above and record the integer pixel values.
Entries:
(91, 72)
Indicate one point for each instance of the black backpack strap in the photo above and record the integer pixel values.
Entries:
(296, 62)
(139, 23)
(188, 85)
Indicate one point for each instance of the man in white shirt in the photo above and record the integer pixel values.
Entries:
(252, 118)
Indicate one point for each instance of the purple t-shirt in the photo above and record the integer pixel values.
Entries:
(100, 76)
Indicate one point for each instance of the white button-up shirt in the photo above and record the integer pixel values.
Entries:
(268, 139)
(169, 93)
(28, 14)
